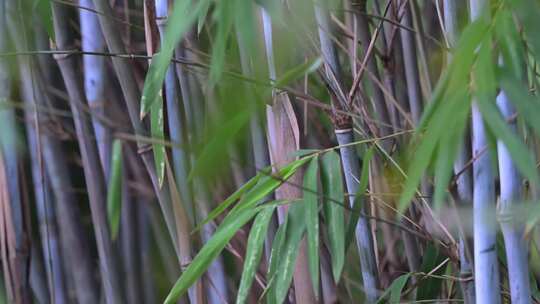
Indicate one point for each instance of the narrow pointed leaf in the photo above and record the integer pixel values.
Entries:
(254, 251)
(334, 212)
(183, 15)
(157, 131)
(287, 261)
(275, 252)
(208, 253)
(299, 71)
(114, 194)
(312, 220)
(395, 289)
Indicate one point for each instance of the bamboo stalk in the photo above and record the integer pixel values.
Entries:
(516, 244)
(486, 267)
(95, 78)
(350, 163)
(411, 66)
(130, 245)
(15, 240)
(380, 104)
(176, 118)
(464, 181)
(131, 93)
(95, 181)
(73, 239)
(257, 132)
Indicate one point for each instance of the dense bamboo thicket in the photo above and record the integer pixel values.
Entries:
(355, 151)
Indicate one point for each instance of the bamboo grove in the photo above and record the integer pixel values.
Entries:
(355, 151)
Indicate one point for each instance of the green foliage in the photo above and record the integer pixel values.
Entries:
(254, 251)
(209, 252)
(44, 11)
(311, 202)
(332, 184)
(296, 226)
(429, 286)
(157, 131)
(184, 13)
(114, 194)
(395, 289)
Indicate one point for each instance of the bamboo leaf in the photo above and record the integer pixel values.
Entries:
(428, 288)
(183, 15)
(517, 149)
(359, 198)
(526, 104)
(423, 154)
(299, 71)
(208, 253)
(44, 11)
(269, 183)
(229, 201)
(213, 150)
(224, 14)
(255, 189)
(312, 220)
(494, 121)
(275, 252)
(332, 184)
(254, 251)
(395, 289)
(295, 230)
(157, 131)
(114, 194)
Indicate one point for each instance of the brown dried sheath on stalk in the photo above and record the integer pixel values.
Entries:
(283, 141)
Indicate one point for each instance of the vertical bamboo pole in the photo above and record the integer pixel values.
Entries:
(464, 181)
(349, 159)
(94, 177)
(512, 228)
(74, 244)
(486, 267)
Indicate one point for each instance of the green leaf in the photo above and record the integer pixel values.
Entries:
(429, 287)
(269, 183)
(295, 230)
(422, 156)
(208, 253)
(229, 201)
(493, 119)
(114, 194)
(298, 71)
(225, 12)
(44, 11)
(202, 16)
(214, 149)
(510, 42)
(311, 201)
(277, 247)
(183, 15)
(358, 199)
(332, 183)
(254, 251)
(395, 289)
(157, 131)
(526, 104)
